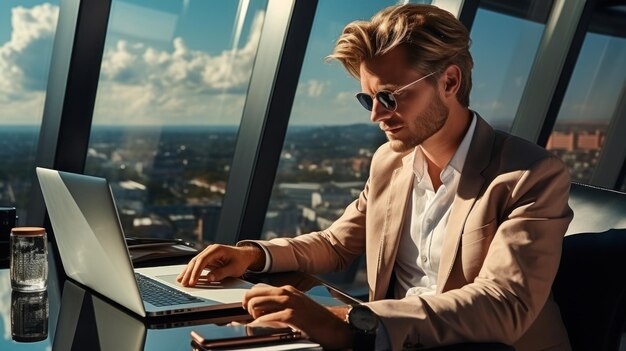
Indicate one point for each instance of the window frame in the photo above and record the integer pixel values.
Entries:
(70, 93)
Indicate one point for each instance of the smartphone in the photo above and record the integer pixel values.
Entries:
(238, 335)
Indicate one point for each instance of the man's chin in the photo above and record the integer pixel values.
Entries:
(400, 146)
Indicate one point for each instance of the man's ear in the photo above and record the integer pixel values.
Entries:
(452, 80)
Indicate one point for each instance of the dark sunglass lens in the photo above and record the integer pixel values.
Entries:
(386, 98)
(365, 100)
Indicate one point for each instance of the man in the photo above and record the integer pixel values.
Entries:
(461, 225)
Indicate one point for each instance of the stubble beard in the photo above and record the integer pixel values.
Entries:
(423, 127)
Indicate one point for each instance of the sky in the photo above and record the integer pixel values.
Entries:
(188, 62)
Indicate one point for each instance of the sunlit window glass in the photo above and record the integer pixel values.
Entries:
(27, 30)
(505, 38)
(170, 97)
(593, 95)
(26, 36)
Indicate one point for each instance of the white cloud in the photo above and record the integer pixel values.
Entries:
(22, 68)
(315, 88)
(345, 97)
(133, 104)
(143, 83)
(139, 84)
(23, 65)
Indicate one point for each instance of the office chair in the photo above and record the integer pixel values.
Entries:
(590, 289)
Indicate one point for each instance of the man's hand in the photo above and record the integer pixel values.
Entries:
(223, 261)
(288, 305)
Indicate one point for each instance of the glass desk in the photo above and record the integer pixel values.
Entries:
(79, 319)
(71, 317)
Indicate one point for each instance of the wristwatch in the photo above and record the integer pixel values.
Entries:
(363, 323)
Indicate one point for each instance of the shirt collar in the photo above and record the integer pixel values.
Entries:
(455, 164)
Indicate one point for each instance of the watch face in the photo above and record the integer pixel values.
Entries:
(363, 318)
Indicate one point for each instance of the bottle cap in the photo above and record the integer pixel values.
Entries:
(28, 231)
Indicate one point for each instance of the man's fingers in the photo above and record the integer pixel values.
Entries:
(262, 305)
(217, 274)
(195, 267)
(183, 277)
(180, 276)
(259, 289)
(222, 260)
(282, 316)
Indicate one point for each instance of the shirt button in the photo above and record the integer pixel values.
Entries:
(424, 259)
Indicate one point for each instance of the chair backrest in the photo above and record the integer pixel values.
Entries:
(590, 287)
(596, 209)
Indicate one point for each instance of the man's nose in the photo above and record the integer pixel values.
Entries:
(379, 112)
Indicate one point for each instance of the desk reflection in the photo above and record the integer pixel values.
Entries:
(88, 321)
(29, 316)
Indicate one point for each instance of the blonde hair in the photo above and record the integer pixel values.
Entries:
(433, 38)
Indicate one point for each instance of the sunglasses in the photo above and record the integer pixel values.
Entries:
(385, 97)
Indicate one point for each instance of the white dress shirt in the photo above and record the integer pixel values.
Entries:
(428, 211)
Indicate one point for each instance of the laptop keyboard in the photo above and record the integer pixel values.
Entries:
(160, 294)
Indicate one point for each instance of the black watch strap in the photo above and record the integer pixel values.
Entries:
(362, 341)
(364, 323)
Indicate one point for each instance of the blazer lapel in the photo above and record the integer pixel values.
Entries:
(399, 192)
(470, 184)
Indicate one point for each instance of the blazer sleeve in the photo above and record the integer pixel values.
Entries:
(326, 251)
(514, 281)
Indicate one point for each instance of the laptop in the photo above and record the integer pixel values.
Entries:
(93, 251)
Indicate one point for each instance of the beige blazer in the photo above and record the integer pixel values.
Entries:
(499, 257)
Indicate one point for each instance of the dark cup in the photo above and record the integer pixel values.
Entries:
(8, 221)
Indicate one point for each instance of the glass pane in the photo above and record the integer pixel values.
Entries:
(27, 31)
(26, 35)
(505, 38)
(594, 92)
(170, 98)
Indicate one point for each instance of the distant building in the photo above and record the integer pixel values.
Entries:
(300, 193)
(208, 217)
(576, 140)
(282, 221)
(561, 141)
(590, 141)
(336, 194)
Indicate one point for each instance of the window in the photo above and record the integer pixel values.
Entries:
(170, 97)
(593, 95)
(26, 38)
(505, 38)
